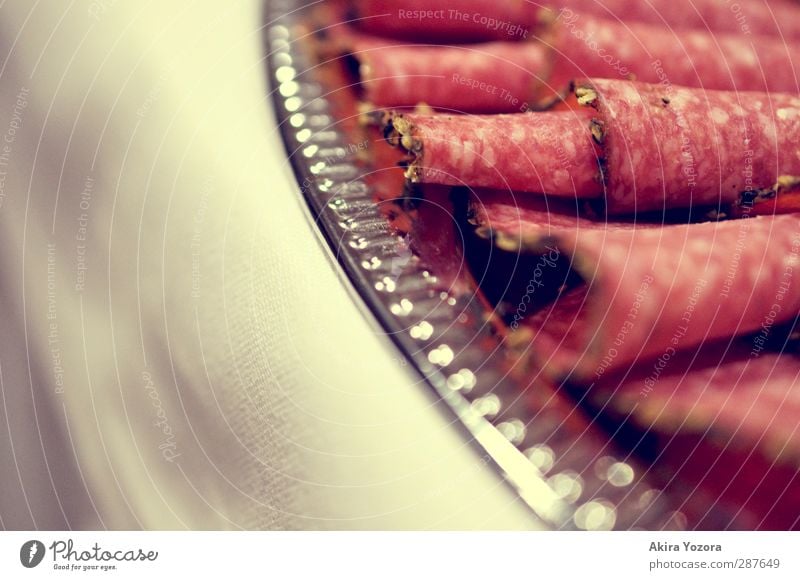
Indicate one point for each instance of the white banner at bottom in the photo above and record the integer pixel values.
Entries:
(400, 555)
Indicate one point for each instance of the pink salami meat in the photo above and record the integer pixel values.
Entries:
(507, 217)
(749, 396)
(438, 21)
(668, 146)
(551, 152)
(527, 216)
(505, 77)
(662, 147)
(594, 47)
(470, 20)
(494, 77)
(647, 293)
(725, 421)
(720, 416)
(744, 17)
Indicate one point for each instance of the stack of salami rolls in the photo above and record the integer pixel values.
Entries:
(652, 151)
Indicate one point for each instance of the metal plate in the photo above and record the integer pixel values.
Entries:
(563, 467)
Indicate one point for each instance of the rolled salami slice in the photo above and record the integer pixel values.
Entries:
(648, 292)
(661, 147)
(551, 152)
(667, 146)
(516, 284)
(585, 46)
(506, 217)
(446, 22)
(476, 20)
(724, 421)
(495, 77)
(512, 77)
(736, 390)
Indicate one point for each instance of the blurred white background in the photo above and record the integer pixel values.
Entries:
(177, 348)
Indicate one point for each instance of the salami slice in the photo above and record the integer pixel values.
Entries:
(594, 47)
(551, 152)
(446, 22)
(668, 146)
(648, 292)
(662, 147)
(724, 420)
(496, 77)
(740, 392)
(744, 17)
(505, 77)
(471, 20)
(519, 215)
(721, 417)
(528, 216)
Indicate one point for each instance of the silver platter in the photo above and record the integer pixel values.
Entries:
(562, 466)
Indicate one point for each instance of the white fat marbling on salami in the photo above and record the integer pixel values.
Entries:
(493, 77)
(654, 291)
(588, 46)
(669, 146)
(522, 152)
(437, 21)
